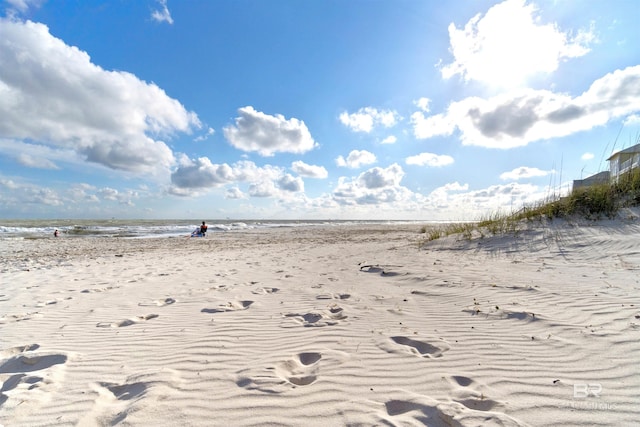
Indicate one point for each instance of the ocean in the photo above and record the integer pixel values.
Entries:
(34, 229)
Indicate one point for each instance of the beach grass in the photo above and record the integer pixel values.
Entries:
(590, 203)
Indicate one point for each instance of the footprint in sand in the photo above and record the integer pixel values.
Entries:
(470, 394)
(14, 381)
(427, 411)
(301, 370)
(158, 302)
(127, 322)
(11, 351)
(230, 306)
(115, 401)
(333, 296)
(19, 317)
(415, 347)
(30, 363)
(108, 288)
(265, 291)
(329, 317)
(378, 269)
(52, 301)
(125, 391)
(21, 362)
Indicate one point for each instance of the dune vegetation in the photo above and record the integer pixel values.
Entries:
(586, 203)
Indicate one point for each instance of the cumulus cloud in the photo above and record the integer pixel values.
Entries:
(201, 173)
(263, 189)
(510, 43)
(372, 187)
(22, 6)
(391, 139)
(519, 117)
(207, 134)
(633, 119)
(587, 156)
(23, 198)
(48, 96)
(35, 162)
(234, 193)
(83, 193)
(122, 197)
(453, 199)
(378, 177)
(455, 186)
(255, 131)
(523, 172)
(162, 14)
(290, 183)
(423, 104)
(425, 127)
(310, 171)
(356, 159)
(365, 119)
(429, 159)
(195, 176)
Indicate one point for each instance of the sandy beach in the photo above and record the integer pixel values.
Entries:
(327, 326)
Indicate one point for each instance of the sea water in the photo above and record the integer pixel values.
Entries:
(34, 229)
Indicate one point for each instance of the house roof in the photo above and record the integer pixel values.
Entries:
(632, 149)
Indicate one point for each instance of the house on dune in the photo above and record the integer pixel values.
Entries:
(620, 163)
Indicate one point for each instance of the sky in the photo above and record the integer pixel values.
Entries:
(317, 109)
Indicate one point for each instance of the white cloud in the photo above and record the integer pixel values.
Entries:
(365, 119)
(122, 197)
(108, 193)
(310, 171)
(452, 200)
(162, 14)
(234, 193)
(517, 118)
(263, 189)
(509, 43)
(34, 155)
(48, 94)
(201, 173)
(378, 177)
(427, 127)
(23, 6)
(633, 119)
(290, 183)
(193, 177)
(523, 172)
(587, 156)
(356, 159)
(35, 162)
(80, 193)
(429, 159)
(210, 131)
(423, 104)
(375, 186)
(255, 131)
(391, 139)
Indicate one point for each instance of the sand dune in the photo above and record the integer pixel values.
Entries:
(323, 326)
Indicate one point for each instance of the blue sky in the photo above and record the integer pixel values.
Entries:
(318, 109)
